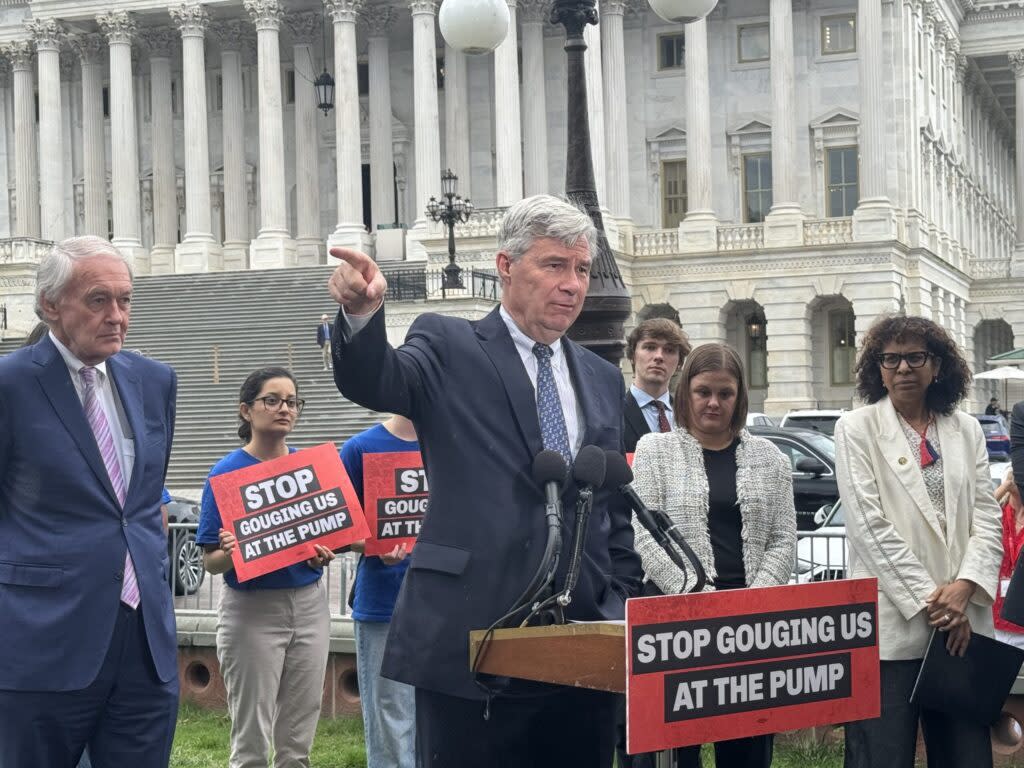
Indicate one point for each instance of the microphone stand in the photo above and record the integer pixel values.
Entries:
(666, 526)
(584, 505)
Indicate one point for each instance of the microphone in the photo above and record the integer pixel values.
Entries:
(549, 472)
(588, 471)
(620, 476)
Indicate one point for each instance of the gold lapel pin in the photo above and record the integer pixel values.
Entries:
(903, 459)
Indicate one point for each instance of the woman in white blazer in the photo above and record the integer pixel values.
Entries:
(921, 518)
(730, 493)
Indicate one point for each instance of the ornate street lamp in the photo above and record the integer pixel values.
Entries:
(451, 210)
(600, 324)
(324, 83)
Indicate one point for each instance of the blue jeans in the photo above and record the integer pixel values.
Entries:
(389, 708)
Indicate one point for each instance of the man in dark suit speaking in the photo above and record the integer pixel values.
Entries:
(656, 348)
(486, 397)
(89, 651)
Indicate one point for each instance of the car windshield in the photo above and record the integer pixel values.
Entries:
(991, 428)
(835, 518)
(822, 443)
(824, 424)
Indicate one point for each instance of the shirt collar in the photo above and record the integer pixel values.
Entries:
(73, 363)
(643, 399)
(524, 344)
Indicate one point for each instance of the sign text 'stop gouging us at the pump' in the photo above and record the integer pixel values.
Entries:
(277, 510)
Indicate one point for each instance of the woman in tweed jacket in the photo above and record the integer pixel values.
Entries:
(730, 493)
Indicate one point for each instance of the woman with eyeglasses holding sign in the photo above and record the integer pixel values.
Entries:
(921, 518)
(273, 631)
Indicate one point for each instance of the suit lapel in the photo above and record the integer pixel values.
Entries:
(55, 380)
(129, 391)
(582, 373)
(497, 344)
(904, 466)
(951, 448)
(635, 417)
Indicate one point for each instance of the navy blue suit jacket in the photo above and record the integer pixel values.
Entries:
(63, 534)
(464, 386)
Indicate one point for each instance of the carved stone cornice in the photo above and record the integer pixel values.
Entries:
(191, 19)
(379, 19)
(344, 10)
(304, 26)
(265, 14)
(160, 42)
(231, 34)
(118, 26)
(534, 11)
(90, 47)
(21, 54)
(1016, 62)
(419, 7)
(47, 34)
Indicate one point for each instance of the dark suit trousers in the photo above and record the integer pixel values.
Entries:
(571, 728)
(891, 740)
(126, 716)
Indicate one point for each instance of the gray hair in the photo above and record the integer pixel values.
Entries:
(57, 266)
(541, 216)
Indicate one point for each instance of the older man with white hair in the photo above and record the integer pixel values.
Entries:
(89, 647)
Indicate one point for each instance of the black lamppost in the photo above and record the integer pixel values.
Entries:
(3, 317)
(451, 210)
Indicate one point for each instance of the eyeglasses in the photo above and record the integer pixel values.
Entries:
(273, 403)
(891, 361)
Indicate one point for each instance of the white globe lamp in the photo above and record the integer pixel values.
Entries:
(679, 11)
(474, 26)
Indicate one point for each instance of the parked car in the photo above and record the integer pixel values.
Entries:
(812, 456)
(755, 419)
(823, 555)
(187, 571)
(819, 420)
(997, 436)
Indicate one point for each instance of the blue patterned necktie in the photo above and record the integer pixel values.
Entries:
(549, 407)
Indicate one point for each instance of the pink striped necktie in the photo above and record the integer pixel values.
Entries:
(105, 442)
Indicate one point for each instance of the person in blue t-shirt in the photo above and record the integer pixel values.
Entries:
(389, 707)
(273, 631)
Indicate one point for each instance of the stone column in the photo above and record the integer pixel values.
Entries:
(427, 134)
(790, 362)
(94, 163)
(7, 141)
(119, 27)
(379, 22)
(162, 42)
(535, 112)
(47, 35)
(350, 230)
(698, 231)
(595, 103)
(1017, 64)
(615, 107)
(273, 246)
(230, 35)
(456, 118)
(26, 178)
(508, 146)
(783, 226)
(309, 243)
(198, 251)
(874, 217)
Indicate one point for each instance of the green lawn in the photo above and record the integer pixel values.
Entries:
(201, 741)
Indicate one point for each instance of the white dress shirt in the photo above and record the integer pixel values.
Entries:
(648, 409)
(123, 444)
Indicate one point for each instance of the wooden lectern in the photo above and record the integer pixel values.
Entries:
(586, 655)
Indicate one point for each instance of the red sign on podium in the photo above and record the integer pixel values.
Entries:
(395, 497)
(745, 662)
(277, 510)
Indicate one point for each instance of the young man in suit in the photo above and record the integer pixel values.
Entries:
(486, 397)
(90, 651)
(656, 348)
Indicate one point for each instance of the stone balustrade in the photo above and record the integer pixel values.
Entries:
(23, 250)
(657, 242)
(741, 237)
(828, 231)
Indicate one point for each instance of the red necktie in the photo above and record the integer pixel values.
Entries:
(663, 425)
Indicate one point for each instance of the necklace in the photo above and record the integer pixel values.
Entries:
(928, 453)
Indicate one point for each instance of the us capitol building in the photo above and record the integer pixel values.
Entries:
(781, 173)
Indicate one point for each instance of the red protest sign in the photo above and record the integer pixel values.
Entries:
(725, 665)
(395, 499)
(278, 509)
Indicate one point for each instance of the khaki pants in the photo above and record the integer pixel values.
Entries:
(272, 646)
(325, 350)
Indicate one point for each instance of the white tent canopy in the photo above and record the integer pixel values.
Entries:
(1004, 374)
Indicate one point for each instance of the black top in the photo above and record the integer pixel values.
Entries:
(724, 521)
